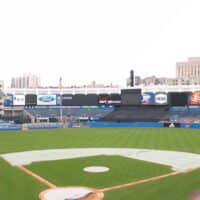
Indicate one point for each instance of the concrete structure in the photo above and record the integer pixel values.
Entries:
(188, 72)
(107, 90)
(25, 81)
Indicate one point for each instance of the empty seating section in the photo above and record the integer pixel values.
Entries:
(54, 112)
(138, 113)
(184, 114)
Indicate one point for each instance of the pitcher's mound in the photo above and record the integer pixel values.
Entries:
(71, 193)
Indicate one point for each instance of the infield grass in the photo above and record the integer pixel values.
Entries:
(122, 170)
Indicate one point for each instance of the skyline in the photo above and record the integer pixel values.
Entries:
(96, 41)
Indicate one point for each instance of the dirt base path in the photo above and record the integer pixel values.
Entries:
(117, 187)
(37, 177)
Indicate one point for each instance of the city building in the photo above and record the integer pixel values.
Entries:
(26, 81)
(188, 72)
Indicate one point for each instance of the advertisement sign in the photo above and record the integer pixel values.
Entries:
(161, 98)
(58, 100)
(105, 99)
(195, 98)
(19, 100)
(46, 100)
(8, 101)
(148, 98)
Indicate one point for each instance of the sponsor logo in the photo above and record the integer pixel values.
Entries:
(147, 98)
(19, 100)
(67, 98)
(161, 98)
(47, 99)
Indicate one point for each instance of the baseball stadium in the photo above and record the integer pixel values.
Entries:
(100, 143)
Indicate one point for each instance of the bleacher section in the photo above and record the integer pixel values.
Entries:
(187, 114)
(9, 126)
(137, 114)
(90, 112)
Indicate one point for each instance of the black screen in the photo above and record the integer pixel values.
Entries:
(79, 100)
(30, 100)
(131, 97)
(67, 99)
(178, 98)
(85, 100)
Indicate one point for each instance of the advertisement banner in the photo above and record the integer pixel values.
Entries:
(161, 98)
(19, 100)
(109, 99)
(46, 100)
(148, 98)
(194, 98)
(8, 101)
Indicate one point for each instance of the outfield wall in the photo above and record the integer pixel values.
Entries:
(134, 124)
(124, 124)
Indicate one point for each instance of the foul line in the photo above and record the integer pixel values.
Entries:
(117, 187)
(37, 177)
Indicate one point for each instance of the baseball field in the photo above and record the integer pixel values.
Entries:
(16, 184)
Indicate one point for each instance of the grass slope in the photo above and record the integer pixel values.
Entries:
(122, 170)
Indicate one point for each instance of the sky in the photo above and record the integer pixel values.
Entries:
(96, 40)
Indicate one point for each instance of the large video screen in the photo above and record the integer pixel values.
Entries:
(131, 97)
(79, 100)
(31, 100)
(46, 100)
(161, 98)
(194, 98)
(87, 100)
(178, 98)
(148, 98)
(19, 100)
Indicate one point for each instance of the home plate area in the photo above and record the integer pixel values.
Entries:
(71, 193)
(97, 167)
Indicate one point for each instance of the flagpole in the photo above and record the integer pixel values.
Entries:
(61, 110)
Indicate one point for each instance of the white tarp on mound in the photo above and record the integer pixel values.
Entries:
(179, 161)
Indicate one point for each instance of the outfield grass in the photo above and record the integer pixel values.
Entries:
(187, 140)
(15, 185)
(122, 170)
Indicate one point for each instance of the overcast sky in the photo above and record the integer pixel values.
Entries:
(101, 40)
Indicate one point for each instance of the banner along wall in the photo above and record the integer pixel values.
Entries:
(194, 98)
(46, 100)
(161, 98)
(19, 100)
(148, 98)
